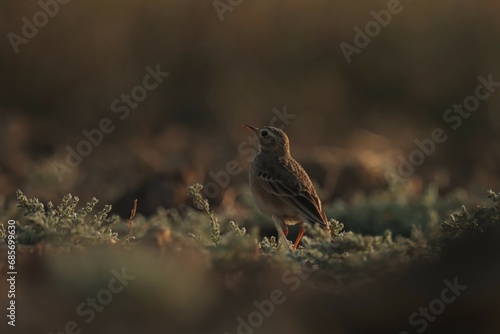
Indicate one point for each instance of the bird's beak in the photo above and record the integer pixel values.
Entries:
(249, 127)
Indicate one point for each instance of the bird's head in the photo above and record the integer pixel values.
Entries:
(271, 139)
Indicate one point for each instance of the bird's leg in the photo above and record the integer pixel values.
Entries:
(285, 231)
(301, 233)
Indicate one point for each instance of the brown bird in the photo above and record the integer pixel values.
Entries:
(280, 186)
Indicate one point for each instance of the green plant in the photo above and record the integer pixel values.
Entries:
(464, 225)
(63, 222)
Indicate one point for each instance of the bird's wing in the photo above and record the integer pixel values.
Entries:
(297, 195)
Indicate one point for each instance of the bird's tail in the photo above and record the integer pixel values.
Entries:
(326, 224)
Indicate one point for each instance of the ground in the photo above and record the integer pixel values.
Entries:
(197, 271)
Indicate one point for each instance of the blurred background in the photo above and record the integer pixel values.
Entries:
(256, 62)
(351, 120)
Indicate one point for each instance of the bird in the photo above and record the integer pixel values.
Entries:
(280, 186)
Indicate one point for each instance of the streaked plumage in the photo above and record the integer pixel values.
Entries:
(280, 186)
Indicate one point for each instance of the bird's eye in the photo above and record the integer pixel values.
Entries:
(264, 133)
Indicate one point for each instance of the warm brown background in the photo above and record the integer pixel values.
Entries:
(353, 119)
